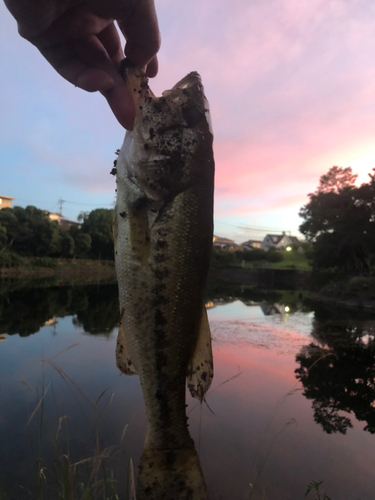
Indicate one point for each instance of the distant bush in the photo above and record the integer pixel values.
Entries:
(221, 258)
(3, 236)
(46, 262)
(274, 256)
(10, 259)
(255, 254)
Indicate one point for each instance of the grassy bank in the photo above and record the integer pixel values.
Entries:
(62, 270)
(257, 258)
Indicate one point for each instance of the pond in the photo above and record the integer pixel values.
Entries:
(292, 401)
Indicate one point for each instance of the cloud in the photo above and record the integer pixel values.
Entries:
(291, 87)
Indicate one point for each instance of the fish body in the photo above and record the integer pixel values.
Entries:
(163, 238)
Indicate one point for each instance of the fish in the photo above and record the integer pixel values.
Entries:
(163, 233)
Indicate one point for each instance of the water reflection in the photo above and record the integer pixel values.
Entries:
(26, 310)
(337, 370)
(340, 385)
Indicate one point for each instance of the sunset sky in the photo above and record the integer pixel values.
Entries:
(291, 86)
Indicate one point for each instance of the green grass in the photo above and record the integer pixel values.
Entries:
(63, 473)
(293, 259)
(314, 487)
(92, 476)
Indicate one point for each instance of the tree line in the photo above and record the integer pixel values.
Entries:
(224, 258)
(29, 232)
(339, 220)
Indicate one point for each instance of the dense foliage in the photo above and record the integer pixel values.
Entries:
(29, 232)
(340, 221)
(98, 225)
(225, 258)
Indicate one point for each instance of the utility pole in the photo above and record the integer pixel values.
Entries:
(60, 201)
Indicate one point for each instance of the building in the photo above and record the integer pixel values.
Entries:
(65, 224)
(251, 244)
(278, 241)
(54, 216)
(225, 244)
(6, 201)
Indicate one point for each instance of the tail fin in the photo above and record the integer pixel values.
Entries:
(171, 475)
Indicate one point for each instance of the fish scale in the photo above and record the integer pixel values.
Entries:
(163, 238)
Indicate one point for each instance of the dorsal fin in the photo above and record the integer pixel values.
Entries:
(200, 370)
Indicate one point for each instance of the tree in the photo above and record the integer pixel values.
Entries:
(3, 237)
(336, 180)
(67, 246)
(99, 225)
(340, 221)
(82, 244)
(30, 232)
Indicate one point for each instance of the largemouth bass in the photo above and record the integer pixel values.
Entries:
(163, 239)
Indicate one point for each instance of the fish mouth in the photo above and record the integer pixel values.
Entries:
(167, 133)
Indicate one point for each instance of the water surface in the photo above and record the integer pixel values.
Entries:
(292, 398)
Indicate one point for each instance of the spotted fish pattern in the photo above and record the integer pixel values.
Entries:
(163, 238)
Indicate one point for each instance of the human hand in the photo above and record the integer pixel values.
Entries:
(80, 40)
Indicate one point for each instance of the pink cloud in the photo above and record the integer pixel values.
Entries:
(291, 87)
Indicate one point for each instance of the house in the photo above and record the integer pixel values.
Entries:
(278, 241)
(251, 244)
(54, 216)
(6, 201)
(225, 244)
(67, 224)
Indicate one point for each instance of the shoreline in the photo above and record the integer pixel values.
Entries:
(350, 302)
(63, 271)
(85, 272)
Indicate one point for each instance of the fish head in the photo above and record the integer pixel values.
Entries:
(159, 154)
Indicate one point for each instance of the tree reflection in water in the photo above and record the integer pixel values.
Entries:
(338, 370)
(26, 310)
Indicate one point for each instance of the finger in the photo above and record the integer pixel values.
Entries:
(121, 103)
(111, 41)
(69, 65)
(86, 64)
(152, 67)
(141, 30)
(75, 23)
(94, 54)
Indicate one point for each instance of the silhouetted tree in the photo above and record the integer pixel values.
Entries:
(30, 232)
(67, 245)
(3, 237)
(82, 244)
(99, 225)
(340, 220)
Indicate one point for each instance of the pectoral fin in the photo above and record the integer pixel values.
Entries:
(123, 361)
(200, 370)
